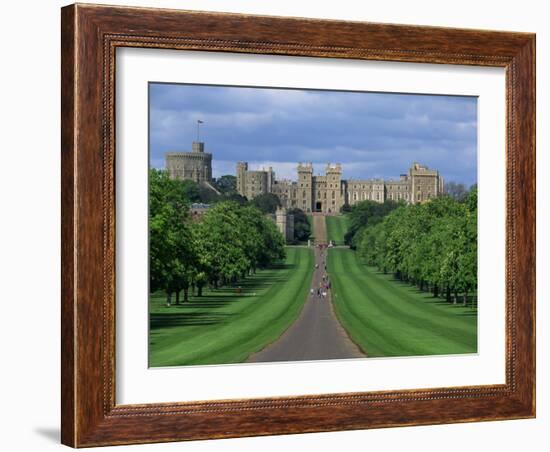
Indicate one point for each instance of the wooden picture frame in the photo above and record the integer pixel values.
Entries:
(90, 36)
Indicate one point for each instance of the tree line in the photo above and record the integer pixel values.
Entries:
(432, 245)
(231, 241)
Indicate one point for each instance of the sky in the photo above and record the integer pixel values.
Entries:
(371, 134)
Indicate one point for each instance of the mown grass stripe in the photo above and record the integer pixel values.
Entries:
(232, 326)
(387, 318)
(337, 227)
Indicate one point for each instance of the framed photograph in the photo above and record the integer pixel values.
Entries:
(282, 225)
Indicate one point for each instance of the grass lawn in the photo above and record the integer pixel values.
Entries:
(225, 327)
(386, 317)
(336, 228)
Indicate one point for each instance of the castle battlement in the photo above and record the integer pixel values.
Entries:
(193, 165)
(326, 193)
(329, 192)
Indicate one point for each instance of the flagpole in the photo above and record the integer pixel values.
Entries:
(199, 122)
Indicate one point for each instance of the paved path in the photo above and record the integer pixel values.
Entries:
(316, 334)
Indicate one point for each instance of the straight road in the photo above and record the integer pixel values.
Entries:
(316, 334)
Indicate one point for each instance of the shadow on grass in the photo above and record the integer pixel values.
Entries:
(170, 319)
(226, 294)
(427, 296)
(469, 314)
(282, 266)
(203, 310)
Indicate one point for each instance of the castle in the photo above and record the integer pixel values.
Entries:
(326, 193)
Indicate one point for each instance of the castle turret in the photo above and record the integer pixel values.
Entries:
(425, 183)
(242, 168)
(280, 219)
(195, 165)
(305, 186)
(335, 195)
(285, 224)
(197, 146)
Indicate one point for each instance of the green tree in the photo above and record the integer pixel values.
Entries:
(457, 191)
(190, 191)
(471, 200)
(265, 242)
(220, 244)
(171, 248)
(229, 242)
(226, 184)
(234, 240)
(235, 197)
(267, 202)
(302, 228)
(207, 195)
(366, 213)
(432, 245)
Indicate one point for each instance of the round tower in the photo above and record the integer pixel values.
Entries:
(195, 165)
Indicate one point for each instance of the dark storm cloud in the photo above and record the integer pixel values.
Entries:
(371, 134)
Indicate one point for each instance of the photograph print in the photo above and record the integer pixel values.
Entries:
(302, 225)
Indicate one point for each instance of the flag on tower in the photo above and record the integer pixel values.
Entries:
(198, 131)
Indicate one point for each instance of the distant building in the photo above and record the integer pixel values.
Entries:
(326, 193)
(253, 183)
(198, 209)
(311, 193)
(285, 223)
(329, 192)
(195, 165)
